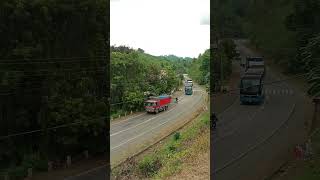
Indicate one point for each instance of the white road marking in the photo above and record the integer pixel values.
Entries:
(137, 125)
(126, 119)
(86, 172)
(140, 135)
(229, 133)
(256, 145)
(144, 132)
(140, 123)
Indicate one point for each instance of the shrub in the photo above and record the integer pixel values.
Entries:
(149, 165)
(176, 136)
(18, 172)
(171, 147)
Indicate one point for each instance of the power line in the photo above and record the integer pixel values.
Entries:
(122, 82)
(75, 123)
(273, 82)
(46, 59)
(46, 129)
(56, 69)
(112, 104)
(53, 74)
(34, 83)
(48, 62)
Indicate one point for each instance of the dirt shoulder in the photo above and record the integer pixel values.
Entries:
(197, 164)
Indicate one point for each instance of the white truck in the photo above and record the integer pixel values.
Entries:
(188, 82)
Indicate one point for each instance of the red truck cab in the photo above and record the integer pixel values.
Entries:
(157, 104)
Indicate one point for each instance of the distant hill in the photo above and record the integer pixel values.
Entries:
(175, 58)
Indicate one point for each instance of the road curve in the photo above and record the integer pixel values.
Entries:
(243, 147)
(133, 134)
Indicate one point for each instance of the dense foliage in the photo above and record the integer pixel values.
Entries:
(286, 30)
(135, 75)
(52, 73)
(199, 68)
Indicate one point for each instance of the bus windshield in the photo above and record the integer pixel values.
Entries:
(250, 86)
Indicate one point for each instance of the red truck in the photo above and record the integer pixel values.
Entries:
(157, 104)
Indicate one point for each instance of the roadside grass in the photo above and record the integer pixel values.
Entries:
(311, 168)
(168, 159)
(302, 169)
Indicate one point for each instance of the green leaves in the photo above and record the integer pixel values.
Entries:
(311, 58)
(134, 72)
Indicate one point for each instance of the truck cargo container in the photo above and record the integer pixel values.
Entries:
(157, 104)
(188, 90)
(251, 89)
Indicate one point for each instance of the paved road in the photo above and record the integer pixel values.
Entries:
(241, 128)
(98, 173)
(131, 135)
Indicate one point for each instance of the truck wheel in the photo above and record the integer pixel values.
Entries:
(157, 111)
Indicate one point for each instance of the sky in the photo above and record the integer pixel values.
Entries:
(161, 27)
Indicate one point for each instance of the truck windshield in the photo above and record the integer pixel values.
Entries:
(150, 104)
(251, 86)
(256, 59)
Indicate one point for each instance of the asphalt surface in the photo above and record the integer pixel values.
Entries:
(131, 135)
(98, 173)
(251, 141)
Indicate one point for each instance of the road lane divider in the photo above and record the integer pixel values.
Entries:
(234, 130)
(86, 172)
(125, 142)
(94, 169)
(242, 155)
(115, 123)
(125, 120)
(124, 130)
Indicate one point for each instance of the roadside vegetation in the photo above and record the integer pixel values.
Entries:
(307, 168)
(199, 68)
(169, 158)
(311, 167)
(287, 31)
(135, 75)
(53, 73)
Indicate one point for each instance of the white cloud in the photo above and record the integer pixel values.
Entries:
(161, 26)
